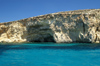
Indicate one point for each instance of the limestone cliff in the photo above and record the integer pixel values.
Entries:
(70, 26)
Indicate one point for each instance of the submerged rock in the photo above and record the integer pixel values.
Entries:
(61, 27)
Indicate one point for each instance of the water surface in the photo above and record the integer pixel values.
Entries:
(50, 54)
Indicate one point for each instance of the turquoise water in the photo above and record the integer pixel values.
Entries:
(50, 54)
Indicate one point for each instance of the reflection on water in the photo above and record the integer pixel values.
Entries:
(77, 46)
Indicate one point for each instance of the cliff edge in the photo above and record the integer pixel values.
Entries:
(61, 27)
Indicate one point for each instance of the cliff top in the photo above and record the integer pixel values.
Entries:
(87, 11)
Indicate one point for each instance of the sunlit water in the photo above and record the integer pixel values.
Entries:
(50, 54)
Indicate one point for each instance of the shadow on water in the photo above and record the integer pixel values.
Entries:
(76, 47)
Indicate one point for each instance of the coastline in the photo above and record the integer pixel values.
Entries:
(61, 27)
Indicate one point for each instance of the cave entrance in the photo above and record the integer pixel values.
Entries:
(43, 38)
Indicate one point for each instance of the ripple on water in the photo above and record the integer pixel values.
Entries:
(50, 54)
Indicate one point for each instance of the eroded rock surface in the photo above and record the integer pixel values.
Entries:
(61, 27)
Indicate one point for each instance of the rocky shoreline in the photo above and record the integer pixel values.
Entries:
(61, 27)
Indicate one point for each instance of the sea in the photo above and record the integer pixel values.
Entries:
(50, 54)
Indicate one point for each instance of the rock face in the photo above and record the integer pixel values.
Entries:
(61, 27)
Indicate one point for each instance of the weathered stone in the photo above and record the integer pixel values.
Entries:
(61, 27)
